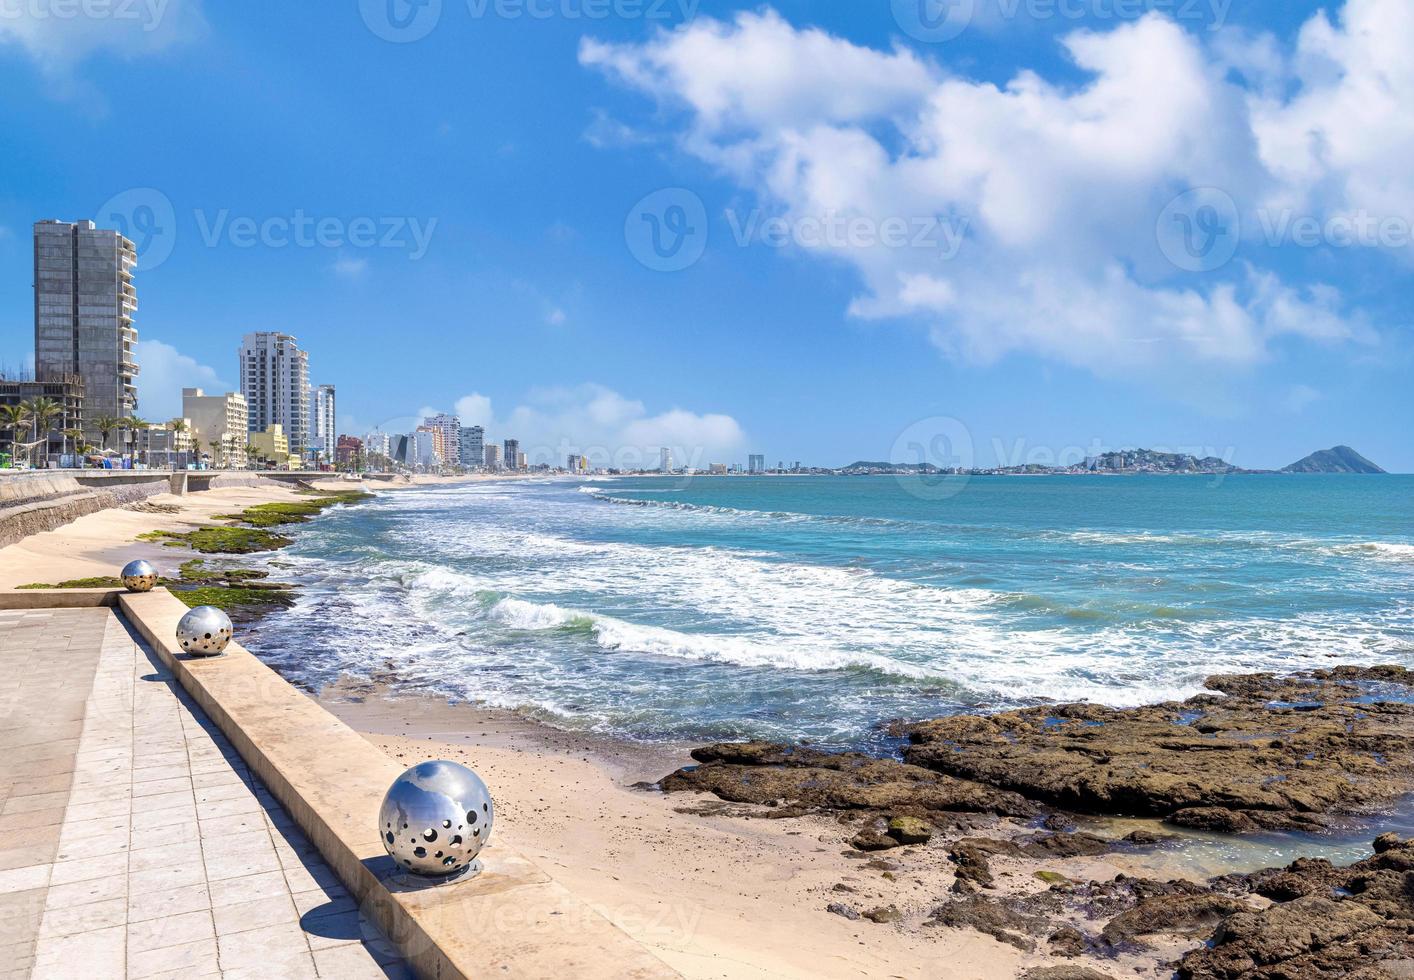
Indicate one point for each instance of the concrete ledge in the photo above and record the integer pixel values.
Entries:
(58, 598)
(511, 920)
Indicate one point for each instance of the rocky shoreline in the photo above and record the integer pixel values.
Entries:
(998, 795)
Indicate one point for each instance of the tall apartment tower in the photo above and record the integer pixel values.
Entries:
(321, 421)
(473, 446)
(451, 428)
(510, 453)
(84, 301)
(665, 464)
(756, 463)
(275, 382)
(493, 457)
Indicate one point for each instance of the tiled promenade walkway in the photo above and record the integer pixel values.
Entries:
(133, 841)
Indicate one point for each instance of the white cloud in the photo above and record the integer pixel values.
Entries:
(164, 372)
(1056, 189)
(611, 429)
(350, 268)
(58, 34)
(1298, 397)
(555, 317)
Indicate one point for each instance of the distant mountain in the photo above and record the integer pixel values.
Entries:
(1341, 459)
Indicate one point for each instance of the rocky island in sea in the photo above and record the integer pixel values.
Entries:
(1340, 459)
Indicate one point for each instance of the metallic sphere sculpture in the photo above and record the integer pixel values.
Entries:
(139, 576)
(435, 818)
(204, 631)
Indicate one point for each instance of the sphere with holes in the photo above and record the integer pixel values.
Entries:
(204, 631)
(435, 818)
(139, 576)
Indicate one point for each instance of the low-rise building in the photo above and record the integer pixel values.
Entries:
(348, 452)
(166, 444)
(67, 392)
(219, 426)
(271, 446)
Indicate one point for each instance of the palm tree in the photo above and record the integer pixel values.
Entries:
(43, 412)
(14, 418)
(134, 425)
(105, 424)
(75, 435)
(176, 427)
(215, 445)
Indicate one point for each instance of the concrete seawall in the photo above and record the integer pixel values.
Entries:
(31, 502)
(512, 920)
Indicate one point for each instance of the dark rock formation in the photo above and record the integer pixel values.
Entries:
(1355, 922)
(1272, 753)
(805, 779)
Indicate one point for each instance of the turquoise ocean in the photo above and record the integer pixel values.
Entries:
(822, 608)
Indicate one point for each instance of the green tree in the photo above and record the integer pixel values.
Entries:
(105, 424)
(14, 418)
(42, 413)
(134, 425)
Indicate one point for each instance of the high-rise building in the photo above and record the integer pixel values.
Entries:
(493, 457)
(377, 444)
(275, 382)
(756, 463)
(473, 446)
(220, 425)
(665, 465)
(510, 452)
(451, 429)
(321, 438)
(84, 301)
(426, 452)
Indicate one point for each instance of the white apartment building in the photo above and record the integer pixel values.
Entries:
(221, 419)
(451, 428)
(666, 464)
(275, 382)
(322, 438)
(425, 453)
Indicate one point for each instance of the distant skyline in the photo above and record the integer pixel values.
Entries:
(815, 232)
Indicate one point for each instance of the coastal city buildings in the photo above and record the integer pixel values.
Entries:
(425, 454)
(274, 375)
(84, 301)
(220, 425)
(321, 439)
(665, 464)
(449, 446)
(493, 458)
(472, 446)
(756, 463)
(348, 452)
(271, 445)
(67, 392)
(166, 444)
(511, 453)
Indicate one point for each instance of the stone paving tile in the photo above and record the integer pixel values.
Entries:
(134, 841)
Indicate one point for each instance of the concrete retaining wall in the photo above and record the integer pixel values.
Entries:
(41, 500)
(512, 920)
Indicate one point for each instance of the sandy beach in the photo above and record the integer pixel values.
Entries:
(715, 896)
(714, 889)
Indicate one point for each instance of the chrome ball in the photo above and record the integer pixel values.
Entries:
(139, 576)
(204, 631)
(436, 818)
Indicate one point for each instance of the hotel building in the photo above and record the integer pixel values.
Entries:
(275, 382)
(84, 301)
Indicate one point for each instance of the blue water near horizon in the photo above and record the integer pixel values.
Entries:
(820, 608)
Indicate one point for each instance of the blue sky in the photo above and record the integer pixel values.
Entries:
(486, 245)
